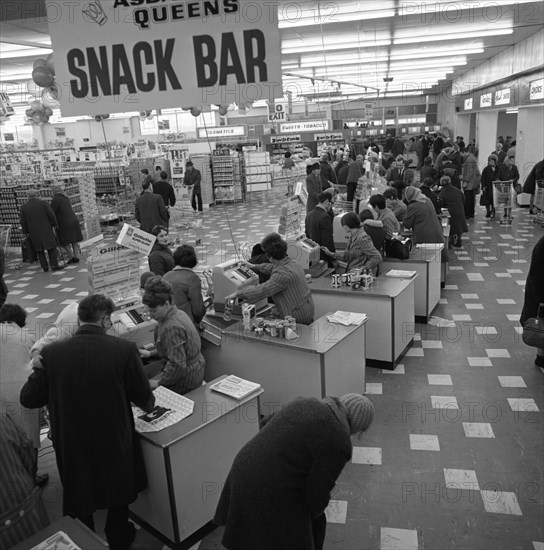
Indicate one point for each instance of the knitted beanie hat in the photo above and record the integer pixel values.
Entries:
(360, 411)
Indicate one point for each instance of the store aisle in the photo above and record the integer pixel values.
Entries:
(454, 458)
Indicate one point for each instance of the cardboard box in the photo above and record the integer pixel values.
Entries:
(136, 239)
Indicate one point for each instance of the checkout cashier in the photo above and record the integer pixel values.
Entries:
(287, 285)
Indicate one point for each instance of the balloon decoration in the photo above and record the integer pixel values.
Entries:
(195, 111)
(99, 118)
(44, 91)
(223, 109)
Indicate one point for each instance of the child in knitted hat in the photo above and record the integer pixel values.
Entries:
(360, 411)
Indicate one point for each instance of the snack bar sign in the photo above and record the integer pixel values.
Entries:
(115, 56)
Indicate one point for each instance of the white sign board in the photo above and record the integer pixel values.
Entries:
(485, 100)
(536, 89)
(468, 104)
(284, 139)
(308, 126)
(277, 113)
(115, 56)
(328, 137)
(502, 97)
(221, 131)
(136, 239)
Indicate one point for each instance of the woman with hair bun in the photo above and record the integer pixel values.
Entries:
(176, 338)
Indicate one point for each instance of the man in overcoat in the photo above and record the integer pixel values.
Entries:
(149, 209)
(88, 382)
(38, 223)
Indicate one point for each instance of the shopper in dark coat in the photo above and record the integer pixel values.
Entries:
(39, 222)
(3, 286)
(421, 218)
(529, 186)
(427, 170)
(397, 147)
(88, 382)
(452, 198)
(327, 173)
(489, 174)
(355, 171)
(69, 230)
(192, 178)
(534, 292)
(319, 224)
(313, 186)
(149, 209)
(161, 259)
(280, 482)
(427, 189)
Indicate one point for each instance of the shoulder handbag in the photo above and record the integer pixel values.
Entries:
(533, 330)
(398, 249)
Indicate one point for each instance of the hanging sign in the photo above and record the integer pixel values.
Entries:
(307, 126)
(221, 131)
(284, 139)
(468, 104)
(485, 100)
(276, 112)
(128, 55)
(536, 89)
(329, 137)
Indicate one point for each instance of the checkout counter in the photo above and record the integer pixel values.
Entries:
(325, 359)
(188, 463)
(307, 254)
(389, 305)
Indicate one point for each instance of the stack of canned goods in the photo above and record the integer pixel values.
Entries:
(356, 278)
(274, 327)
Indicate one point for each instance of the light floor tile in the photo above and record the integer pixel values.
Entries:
(20, 285)
(44, 315)
(451, 287)
(487, 331)
(503, 275)
(498, 353)
(444, 402)
(337, 511)
(67, 302)
(474, 306)
(506, 301)
(52, 286)
(507, 236)
(82, 294)
(461, 479)
(519, 329)
(415, 352)
(417, 337)
(461, 317)
(519, 261)
(469, 296)
(521, 283)
(513, 316)
(432, 344)
(25, 278)
(45, 301)
(29, 297)
(398, 370)
(67, 289)
(375, 388)
(512, 382)
(500, 502)
(479, 362)
(475, 277)
(442, 301)
(15, 292)
(481, 264)
(439, 380)
(367, 455)
(538, 545)
(424, 442)
(478, 429)
(398, 539)
(66, 279)
(514, 270)
(29, 309)
(456, 268)
(523, 404)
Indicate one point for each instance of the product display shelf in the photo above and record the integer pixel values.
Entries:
(223, 176)
(258, 171)
(10, 205)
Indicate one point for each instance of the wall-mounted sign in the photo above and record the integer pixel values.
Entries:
(60, 131)
(328, 137)
(307, 126)
(5, 106)
(502, 97)
(468, 104)
(9, 137)
(139, 55)
(284, 139)
(485, 100)
(536, 89)
(164, 124)
(221, 131)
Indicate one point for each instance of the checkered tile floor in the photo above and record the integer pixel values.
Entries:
(454, 458)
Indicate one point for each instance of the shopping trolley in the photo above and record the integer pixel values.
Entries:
(538, 202)
(5, 232)
(503, 197)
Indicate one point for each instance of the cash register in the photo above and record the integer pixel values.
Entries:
(307, 253)
(132, 322)
(228, 278)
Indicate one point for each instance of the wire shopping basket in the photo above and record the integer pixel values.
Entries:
(538, 202)
(503, 197)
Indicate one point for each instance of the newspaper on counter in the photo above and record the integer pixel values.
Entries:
(58, 541)
(347, 318)
(400, 274)
(170, 408)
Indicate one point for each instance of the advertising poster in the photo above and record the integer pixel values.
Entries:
(126, 55)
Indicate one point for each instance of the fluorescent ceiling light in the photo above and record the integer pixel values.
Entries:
(409, 7)
(12, 54)
(329, 47)
(452, 36)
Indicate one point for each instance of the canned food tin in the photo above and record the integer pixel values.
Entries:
(273, 330)
(346, 278)
(259, 331)
(336, 280)
(227, 314)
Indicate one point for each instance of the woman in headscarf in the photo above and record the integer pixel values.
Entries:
(452, 198)
(421, 217)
